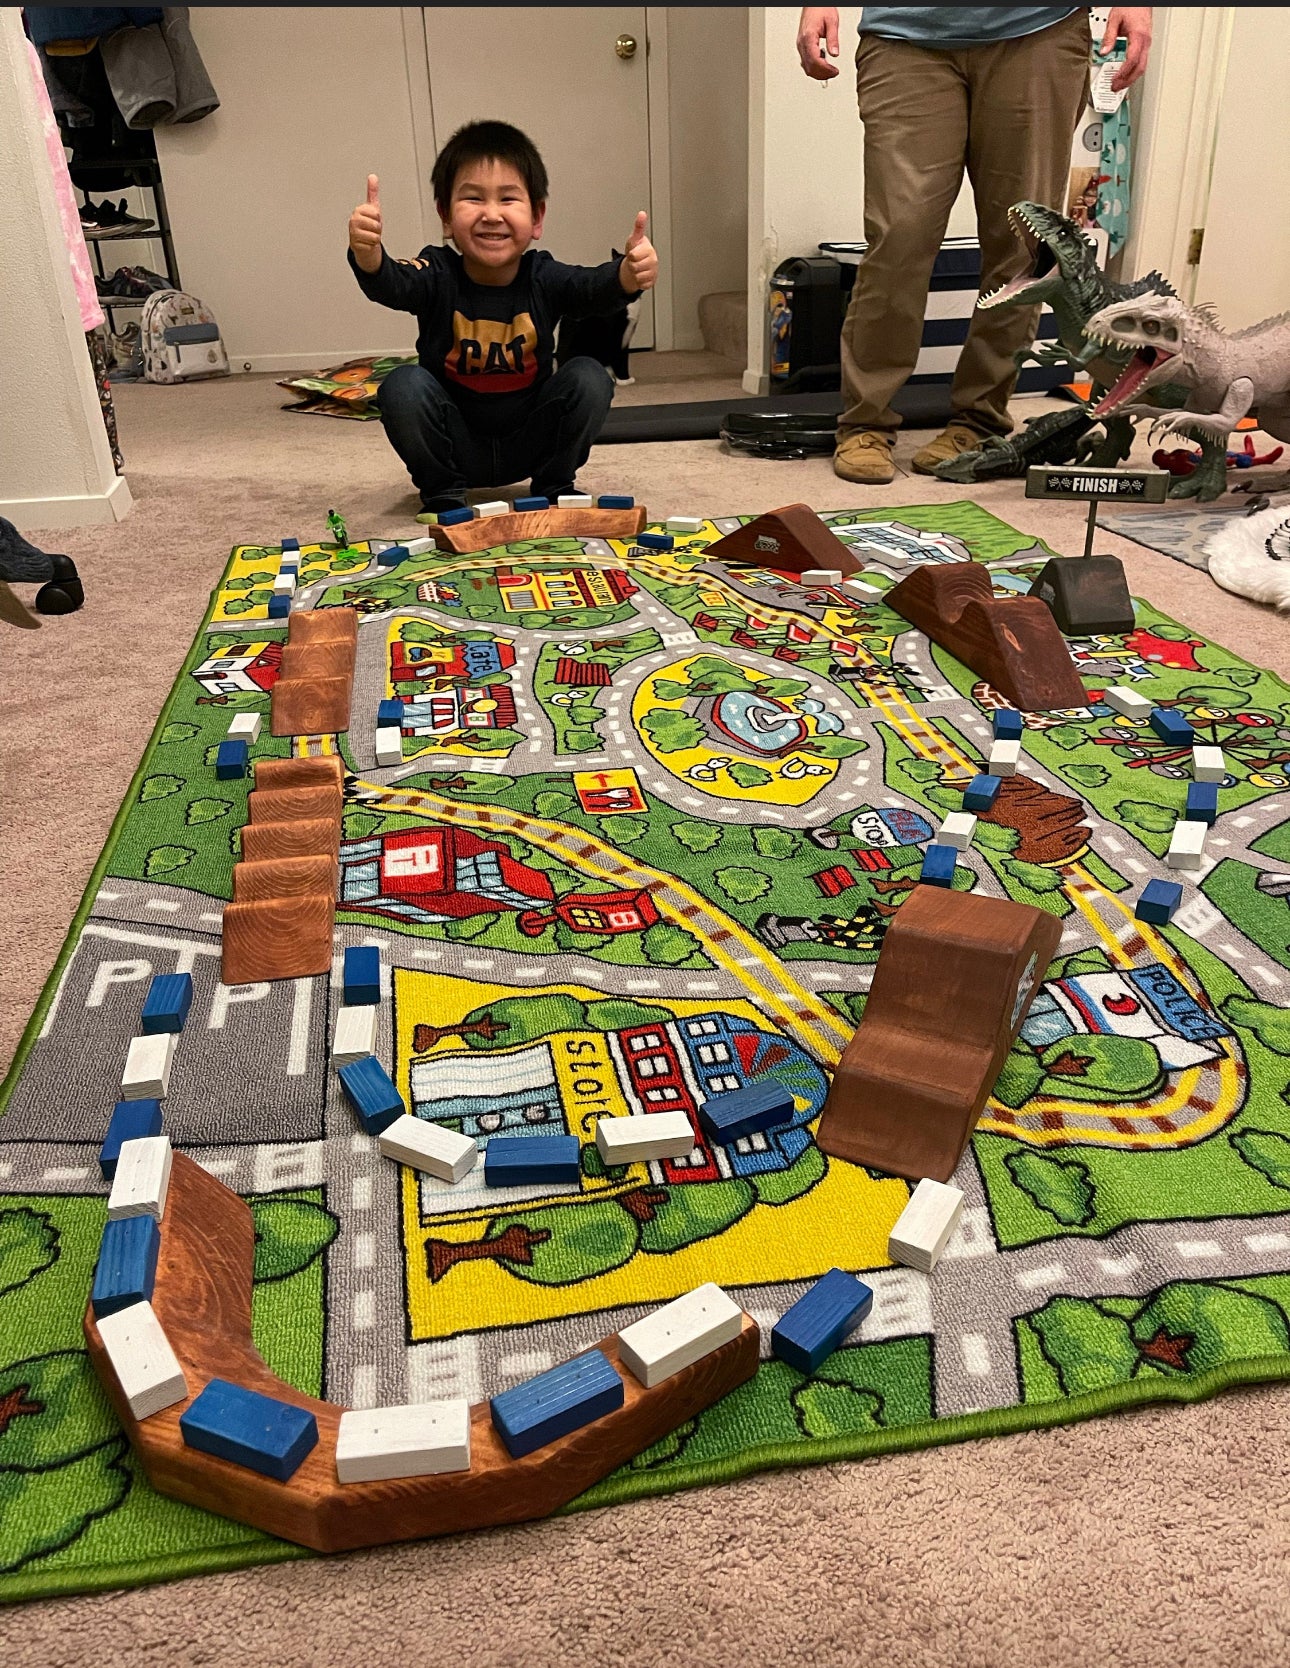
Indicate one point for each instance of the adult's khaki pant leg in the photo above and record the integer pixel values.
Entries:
(1024, 99)
(914, 106)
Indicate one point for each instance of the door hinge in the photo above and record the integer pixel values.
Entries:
(1195, 243)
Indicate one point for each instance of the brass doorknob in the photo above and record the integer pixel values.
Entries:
(625, 46)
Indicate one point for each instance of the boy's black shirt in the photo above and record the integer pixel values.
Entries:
(490, 346)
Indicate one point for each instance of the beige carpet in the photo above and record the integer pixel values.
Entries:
(1157, 1537)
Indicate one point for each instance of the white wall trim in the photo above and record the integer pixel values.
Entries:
(84, 509)
(755, 378)
(424, 146)
(657, 94)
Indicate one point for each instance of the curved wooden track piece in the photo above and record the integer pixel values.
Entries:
(203, 1300)
(487, 531)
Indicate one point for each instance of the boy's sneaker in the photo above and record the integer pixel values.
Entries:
(443, 501)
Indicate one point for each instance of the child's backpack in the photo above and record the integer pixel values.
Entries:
(180, 339)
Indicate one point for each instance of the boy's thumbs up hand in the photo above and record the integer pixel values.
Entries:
(365, 228)
(639, 270)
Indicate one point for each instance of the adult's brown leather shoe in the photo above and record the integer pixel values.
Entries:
(865, 455)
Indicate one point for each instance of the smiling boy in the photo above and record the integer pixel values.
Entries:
(483, 406)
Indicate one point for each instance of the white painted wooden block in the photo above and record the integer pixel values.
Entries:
(1187, 845)
(420, 1440)
(245, 727)
(574, 501)
(430, 1147)
(685, 524)
(957, 830)
(147, 1067)
(679, 1334)
(820, 576)
(1128, 702)
(1003, 758)
(142, 1178)
(643, 1136)
(389, 745)
(494, 506)
(861, 587)
(355, 1035)
(925, 1225)
(417, 547)
(284, 585)
(145, 1365)
(1208, 763)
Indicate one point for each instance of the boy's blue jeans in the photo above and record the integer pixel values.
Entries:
(445, 456)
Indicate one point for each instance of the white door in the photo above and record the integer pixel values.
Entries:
(556, 73)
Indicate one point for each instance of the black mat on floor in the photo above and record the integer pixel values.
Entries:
(921, 405)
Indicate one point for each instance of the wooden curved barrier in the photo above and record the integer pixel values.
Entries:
(202, 1298)
(485, 532)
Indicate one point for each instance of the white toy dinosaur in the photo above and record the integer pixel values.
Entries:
(1251, 556)
(1227, 376)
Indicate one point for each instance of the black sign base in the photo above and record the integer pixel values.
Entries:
(1087, 595)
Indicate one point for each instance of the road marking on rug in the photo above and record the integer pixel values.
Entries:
(1117, 1267)
(1264, 1244)
(976, 1354)
(1196, 1249)
(1049, 1275)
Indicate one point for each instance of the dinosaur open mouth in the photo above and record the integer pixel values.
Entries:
(1042, 262)
(1131, 379)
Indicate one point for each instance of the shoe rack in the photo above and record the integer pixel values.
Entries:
(146, 174)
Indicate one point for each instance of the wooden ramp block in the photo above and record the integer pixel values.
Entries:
(293, 804)
(278, 938)
(324, 771)
(956, 975)
(202, 1298)
(307, 837)
(1013, 642)
(310, 706)
(540, 524)
(331, 659)
(792, 538)
(316, 625)
(285, 877)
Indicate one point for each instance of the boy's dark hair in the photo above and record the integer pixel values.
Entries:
(488, 142)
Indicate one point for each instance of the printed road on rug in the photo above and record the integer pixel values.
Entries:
(652, 820)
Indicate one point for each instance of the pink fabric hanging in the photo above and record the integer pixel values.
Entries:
(73, 233)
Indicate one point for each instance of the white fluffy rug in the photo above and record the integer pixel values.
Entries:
(1251, 556)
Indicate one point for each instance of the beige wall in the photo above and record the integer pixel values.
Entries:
(312, 99)
(707, 58)
(55, 466)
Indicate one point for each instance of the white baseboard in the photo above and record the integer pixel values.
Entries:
(307, 364)
(88, 509)
(756, 385)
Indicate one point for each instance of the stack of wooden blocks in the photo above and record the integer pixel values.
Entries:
(312, 694)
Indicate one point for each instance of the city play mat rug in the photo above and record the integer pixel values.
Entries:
(652, 821)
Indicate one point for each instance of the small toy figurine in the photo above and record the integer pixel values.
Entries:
(337, 528)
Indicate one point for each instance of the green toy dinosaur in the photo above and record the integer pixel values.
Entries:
(1224, 377)
(1065, 277)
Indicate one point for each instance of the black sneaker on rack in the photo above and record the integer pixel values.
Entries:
(115, 217)
(90, 221)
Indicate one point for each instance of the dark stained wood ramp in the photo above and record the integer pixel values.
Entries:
(792, 539)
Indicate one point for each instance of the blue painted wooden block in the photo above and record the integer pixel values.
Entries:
(279, 607)
(1158, 901)
(1202, 802)
(391, 712)
(757, 1106)
(938, 865)
(454, 518)
(249, 1429)
(656, 541)
(392, 557)
(615, 501)
(556, 1402)
(820, 1319)
(290, 544)
(1171, 726)
(131, 1120)
(981, 793)
(370, 1090)
(526, 1160)
(231, 760)
(1007, 724)
(362, 976)
(534, 503)
(127, 1265)
(165, 1007)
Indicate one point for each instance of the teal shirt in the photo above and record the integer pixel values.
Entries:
(952, 26)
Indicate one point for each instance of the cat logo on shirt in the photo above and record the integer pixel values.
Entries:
(489, 357)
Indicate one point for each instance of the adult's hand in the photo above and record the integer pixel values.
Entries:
(365, 228)
(1134, 23)
(816, 29)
